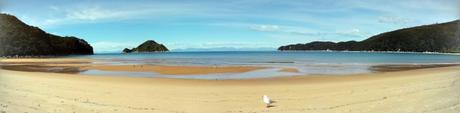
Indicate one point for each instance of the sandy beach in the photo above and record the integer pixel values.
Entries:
(432, 90)
(236, 56)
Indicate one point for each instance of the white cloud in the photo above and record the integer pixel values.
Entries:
(305, 33)
(97, 13)
(86, 13)
(395, 20)
(183, 45)
(265, 28)
(297, 18)
(270, 28)
(353, 32)
(55, 8)
(287, 11)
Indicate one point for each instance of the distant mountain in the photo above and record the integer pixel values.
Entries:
(225, 49)
(444, 37)
(148, 46)
(20, 39)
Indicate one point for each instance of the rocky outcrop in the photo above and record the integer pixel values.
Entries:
(148, 46)
(444, 37)
(20, 39)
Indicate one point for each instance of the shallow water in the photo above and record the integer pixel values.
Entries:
(306, 62)
(263, 73)
(321, 58)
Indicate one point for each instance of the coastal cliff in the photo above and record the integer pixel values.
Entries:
(148, 46)
(443, 37)
(20, 39)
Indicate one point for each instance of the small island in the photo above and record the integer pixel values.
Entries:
(147, 46)
(443, 37)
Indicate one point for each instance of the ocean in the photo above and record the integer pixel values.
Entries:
(306, 62)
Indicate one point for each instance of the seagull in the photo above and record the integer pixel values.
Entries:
(267, 100)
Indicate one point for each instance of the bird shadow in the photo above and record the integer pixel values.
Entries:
(272, 102)
(270, 106)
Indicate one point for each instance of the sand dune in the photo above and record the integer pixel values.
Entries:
(434, 90)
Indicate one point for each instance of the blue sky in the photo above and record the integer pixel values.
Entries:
(111, 25)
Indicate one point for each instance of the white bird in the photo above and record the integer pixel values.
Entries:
(267, 100)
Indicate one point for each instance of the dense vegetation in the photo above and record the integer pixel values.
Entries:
(20, 39)
(444, 37)
(148, 46)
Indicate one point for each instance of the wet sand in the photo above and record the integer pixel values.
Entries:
(79, 65)
(47, 60)
(431, 90)
(294, 70)
(174, 70)
(75, 66)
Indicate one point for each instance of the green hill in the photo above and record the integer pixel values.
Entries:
(148, 46)
(444, 37)
(20, 39)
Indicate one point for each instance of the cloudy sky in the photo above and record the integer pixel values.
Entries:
(110, 25)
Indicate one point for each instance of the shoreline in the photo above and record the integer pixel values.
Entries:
(90, 67)
(361, 93)
(309, 78)
(401, 52)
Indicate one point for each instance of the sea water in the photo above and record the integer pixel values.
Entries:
(307, 62)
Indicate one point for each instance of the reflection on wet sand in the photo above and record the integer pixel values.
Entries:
(89, 67)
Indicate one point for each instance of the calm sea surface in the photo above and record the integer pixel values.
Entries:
(307, 62)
